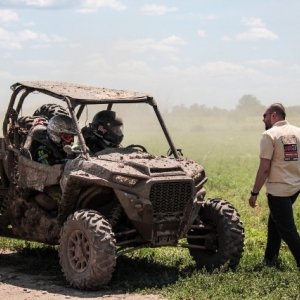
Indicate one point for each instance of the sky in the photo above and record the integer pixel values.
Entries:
(181, 52)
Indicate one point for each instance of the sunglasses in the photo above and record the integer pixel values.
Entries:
(264, 115)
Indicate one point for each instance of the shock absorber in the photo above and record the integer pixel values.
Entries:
(115, 214)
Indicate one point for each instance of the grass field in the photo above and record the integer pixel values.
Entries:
(230, 158)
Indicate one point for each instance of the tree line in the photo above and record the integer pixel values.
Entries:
(247, 105)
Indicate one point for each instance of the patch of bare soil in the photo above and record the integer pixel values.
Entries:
(19, 284)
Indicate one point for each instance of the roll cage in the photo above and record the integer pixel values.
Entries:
(77, 97)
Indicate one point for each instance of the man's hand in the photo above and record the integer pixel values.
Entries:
(252, 201)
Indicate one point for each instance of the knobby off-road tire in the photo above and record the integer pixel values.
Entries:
(44, 113)
(26, 122)
(225, 236)
(50, 110)
(87, 250)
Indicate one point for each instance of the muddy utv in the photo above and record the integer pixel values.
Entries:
(97, 207)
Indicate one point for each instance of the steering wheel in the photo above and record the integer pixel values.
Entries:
(138, 147)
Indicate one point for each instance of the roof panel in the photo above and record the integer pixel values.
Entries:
(84, 94)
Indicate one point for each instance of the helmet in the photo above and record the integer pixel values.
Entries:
(61, 129)
(109, 125)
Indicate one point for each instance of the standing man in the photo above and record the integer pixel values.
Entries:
(279, 170)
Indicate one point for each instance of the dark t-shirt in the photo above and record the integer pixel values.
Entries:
(48, 153)
(94, 142)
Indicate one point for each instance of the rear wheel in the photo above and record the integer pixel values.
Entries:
(87, 250)
(219, 235)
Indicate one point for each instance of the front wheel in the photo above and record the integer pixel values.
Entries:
(87, 250)
(218, 235)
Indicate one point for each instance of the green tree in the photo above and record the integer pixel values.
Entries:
(250, 105)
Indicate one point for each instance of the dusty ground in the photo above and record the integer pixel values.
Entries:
(20, 285)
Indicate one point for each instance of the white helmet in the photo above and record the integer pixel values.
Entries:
(61, 128)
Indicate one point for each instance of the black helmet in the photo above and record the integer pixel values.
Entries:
(109, 125)
(61, 128)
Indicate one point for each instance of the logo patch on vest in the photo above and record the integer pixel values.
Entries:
(290, 147)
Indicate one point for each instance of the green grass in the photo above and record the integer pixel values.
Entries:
(230, 159)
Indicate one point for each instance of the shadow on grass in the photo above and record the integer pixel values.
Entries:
(140, 273)
(131, 273)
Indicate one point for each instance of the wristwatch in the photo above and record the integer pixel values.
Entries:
(254, 194)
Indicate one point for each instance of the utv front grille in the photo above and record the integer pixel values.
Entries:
(171, 197)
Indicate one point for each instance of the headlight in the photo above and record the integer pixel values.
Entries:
(199, 177)
(125, 180)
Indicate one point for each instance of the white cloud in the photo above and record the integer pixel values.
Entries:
(224, 70)
(41, 3)
(295, 67)
(41, 46)
(226, 38)
(152, 9)
(257, 33)
(56, 38)
(209, 16)
(94, 61)
(265, 62)
(47, 41)
(5, 75)
(170, 70)
(11, 40)
(40, 63)
(221, 67)
(75, 45)
(173, 40)
(7, 15)
(82, 6)
(253, 22)
(133, 66)
(53, 38)
(7, 55)
(201, 33)
(91, 6)
(29, 24)
(38, 3)
(168, 45)
(27, 35)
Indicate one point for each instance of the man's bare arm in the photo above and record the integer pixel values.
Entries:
(261, 176)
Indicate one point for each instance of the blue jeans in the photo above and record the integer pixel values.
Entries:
(281, 226)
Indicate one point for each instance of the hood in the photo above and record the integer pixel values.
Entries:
(147, 164)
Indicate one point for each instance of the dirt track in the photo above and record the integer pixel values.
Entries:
(16, 285)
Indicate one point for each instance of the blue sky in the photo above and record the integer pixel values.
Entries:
(181, 52)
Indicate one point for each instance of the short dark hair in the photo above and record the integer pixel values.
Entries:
(279, 109)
